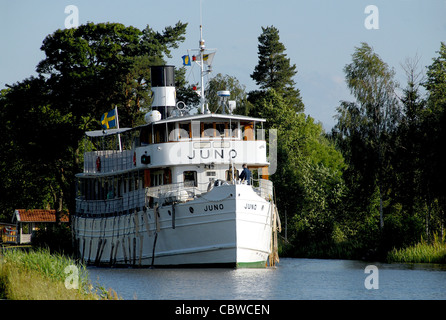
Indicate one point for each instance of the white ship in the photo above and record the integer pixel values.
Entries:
(168, 193)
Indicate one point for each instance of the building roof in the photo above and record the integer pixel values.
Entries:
(38, 215)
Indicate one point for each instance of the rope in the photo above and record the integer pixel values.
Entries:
(157, 229)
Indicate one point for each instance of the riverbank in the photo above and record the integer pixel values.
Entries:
(422, 252)
(39, 275)
(433, 251)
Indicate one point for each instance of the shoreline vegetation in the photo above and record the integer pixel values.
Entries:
(433, 251)
(422, 252)
(38, 274)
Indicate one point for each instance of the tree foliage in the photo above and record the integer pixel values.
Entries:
(392, 147)
(368, 123)
(274, 69)
(226, 82)
(97, 66)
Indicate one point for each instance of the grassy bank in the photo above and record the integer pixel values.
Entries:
(422, 252)
(39, 275)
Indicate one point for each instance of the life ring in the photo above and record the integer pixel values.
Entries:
(98, 164)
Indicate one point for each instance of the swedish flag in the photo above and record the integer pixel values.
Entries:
(108, 119)
(186, 60)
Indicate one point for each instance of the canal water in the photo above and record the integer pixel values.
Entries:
(292, 279)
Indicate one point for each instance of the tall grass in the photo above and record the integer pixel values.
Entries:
(49, 265)
(41, 275)
(422, 252)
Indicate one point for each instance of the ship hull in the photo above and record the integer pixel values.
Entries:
(229, 226)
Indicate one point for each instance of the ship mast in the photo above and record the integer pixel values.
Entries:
(202, 57)
(202, 48)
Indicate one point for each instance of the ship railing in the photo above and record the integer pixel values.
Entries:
(264, 188)
(107, 161)
(163, 194)
(175, 192)
(133, 200)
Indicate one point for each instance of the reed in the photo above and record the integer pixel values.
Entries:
(49, 265)
(40, 275)
(422, 252)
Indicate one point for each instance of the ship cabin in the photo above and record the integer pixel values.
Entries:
(172, 159)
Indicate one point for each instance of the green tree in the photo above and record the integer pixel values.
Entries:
(409, 140)
(274, 69)
(404, 223)
(434, 128)
(36, 144)
(226, 82)
(94, 67)
(365, 127)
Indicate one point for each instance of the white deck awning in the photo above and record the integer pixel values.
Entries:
(103, 133)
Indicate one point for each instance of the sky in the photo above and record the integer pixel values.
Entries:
(319, 36)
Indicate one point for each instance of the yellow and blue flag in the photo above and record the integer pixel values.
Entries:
(108, 119)
(186, 60)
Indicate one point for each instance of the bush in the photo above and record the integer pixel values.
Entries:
(56, 239)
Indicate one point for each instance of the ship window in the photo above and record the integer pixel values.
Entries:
(156, 178)
(260, 134)
(89, 189)
(195, 129)
(220, 129)
(118, 186)
(99, 189)
(129, 183)
(235, 132)
(208, 130)
(146, 135)
(190, 176)
(80, 189)
(108, 192)
(185, 130)
(160, 133)
(182, 132)
(173, 133)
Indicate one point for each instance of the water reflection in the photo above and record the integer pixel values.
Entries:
(292, 279)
